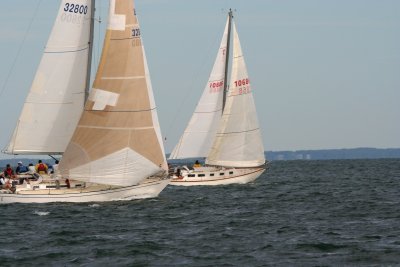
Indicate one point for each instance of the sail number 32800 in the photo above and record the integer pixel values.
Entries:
(75, 8)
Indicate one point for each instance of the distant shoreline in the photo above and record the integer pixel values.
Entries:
(319, 154)
(326, 154)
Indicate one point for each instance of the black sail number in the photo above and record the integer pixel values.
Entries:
(75, 8)
(136, 32)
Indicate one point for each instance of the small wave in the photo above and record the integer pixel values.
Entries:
(94, 205)
(321, 246)
(41, 213)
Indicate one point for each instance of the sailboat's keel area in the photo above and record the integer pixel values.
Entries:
(46, 192)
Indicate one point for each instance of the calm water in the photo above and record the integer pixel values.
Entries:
(298, 213)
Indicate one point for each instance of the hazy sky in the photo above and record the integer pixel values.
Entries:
(325, 74)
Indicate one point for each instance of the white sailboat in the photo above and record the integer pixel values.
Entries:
(111, 146)
(224, 127)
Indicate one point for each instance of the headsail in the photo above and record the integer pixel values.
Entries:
(199, 134)
(118, 139)
(55, 101)
(238, 142)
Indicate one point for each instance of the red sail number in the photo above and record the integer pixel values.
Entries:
(242, 82)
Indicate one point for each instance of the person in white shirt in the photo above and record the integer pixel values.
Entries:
(31, 168)
(2, 181)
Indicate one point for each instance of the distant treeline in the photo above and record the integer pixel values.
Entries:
(325, 154)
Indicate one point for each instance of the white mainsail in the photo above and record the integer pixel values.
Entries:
(238, 142)
(55, 101)
(118, 139)
(199, 134)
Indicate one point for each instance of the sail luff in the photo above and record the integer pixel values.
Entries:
(238, 141)
(199, 134)
(154, 115)
(90, 53)
(118, 139)
(55, 100)
(228, 42)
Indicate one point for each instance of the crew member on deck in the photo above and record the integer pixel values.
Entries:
(2, 181)
(197, 164)
(41, 167)
(8, 172)
(21, 168)
(31, 168)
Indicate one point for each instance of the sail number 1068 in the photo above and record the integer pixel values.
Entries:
(242, 82)
(244, 86)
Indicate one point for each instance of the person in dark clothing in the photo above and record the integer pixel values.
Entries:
(21, 168)
(8, 172)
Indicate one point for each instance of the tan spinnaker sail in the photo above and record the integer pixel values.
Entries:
(118, 139)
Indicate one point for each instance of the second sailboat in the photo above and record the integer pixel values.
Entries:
(224, 127)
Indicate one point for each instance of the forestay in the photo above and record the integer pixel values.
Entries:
(118, 139)
(238, 142)
(55, 100)
(199, 134)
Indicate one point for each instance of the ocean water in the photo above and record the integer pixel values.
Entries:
(299, 213)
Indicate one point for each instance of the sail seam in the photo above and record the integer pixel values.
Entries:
(123, 78)
(122, 39)
(204, 112)
(238, 56)
(240, 131)
(50, 103)
(65, 51)
(115, 128)
(143, 110)
(237, 94)
(217, 80)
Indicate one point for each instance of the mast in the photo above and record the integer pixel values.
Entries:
(91, 37)
(228, 41)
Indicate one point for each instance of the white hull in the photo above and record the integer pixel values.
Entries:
(213, 176)
(150, 188)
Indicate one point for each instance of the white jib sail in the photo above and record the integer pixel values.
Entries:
(154, 115)
(199, 134)
(238, 142)
(55, 100)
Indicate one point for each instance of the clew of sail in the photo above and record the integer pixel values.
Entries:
(55, 101)
(238, 141)
(118, 139)
(199, 134)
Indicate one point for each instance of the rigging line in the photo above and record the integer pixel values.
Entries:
(191, 87)
(20, 48)
(98, 41)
